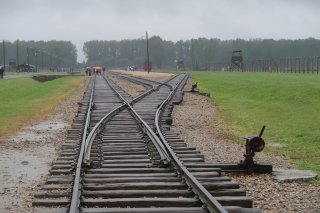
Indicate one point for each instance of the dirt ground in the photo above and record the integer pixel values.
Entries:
(26, 157)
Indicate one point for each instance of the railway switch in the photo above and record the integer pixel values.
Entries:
(194, 87)
(254, 143)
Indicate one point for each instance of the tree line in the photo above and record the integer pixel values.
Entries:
(195, 53)
(201, 53)
(43, 54)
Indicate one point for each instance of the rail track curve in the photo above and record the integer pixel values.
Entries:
(120, 156)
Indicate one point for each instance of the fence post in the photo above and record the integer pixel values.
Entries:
(312, 65)
(289, 65)
(318, 65)
(4, 54)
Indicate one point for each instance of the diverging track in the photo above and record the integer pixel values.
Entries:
(128, 160)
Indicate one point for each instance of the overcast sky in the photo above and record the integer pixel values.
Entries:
(84, 20)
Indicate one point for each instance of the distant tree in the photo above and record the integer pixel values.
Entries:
(196, 53)
(42, 53)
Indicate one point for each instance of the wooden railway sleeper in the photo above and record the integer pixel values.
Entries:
(139, 201)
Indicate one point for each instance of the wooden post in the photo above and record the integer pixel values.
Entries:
(148, 62)
(42, 60)
(286, 64)
(28, 55)
(4, 55)
(280, 65)
(17, 55)
(312, 65)
(318, 65)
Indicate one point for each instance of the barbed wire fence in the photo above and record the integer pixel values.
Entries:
(309, 65)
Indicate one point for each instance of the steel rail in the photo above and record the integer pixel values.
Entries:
(164, 157)
(84, 155)
(76, 185)
(99, 126)
(210, 202)
(97, 129)
(155, 88)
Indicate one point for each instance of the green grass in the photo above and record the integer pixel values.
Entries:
(288, 104)
(11, 73)
(23, 100)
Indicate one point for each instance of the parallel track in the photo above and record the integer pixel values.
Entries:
(133, 162)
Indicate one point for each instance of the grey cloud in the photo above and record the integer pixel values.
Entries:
(82, 20)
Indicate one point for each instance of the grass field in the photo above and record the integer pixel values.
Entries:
(288, 104)
(23, 100)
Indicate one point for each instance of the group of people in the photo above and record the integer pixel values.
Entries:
(95, 70)
(1, 72)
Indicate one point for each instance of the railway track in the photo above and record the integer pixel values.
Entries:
(121, 156)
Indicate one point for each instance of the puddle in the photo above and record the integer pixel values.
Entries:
(46, 125)
(24, 159)
(35, 132)
(19, 169)
(24, 162)
(274, 144)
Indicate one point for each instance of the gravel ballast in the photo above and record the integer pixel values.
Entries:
(131, 88)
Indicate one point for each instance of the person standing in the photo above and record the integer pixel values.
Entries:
(1, 72)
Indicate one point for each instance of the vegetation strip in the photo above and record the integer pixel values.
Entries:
(24, 100)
